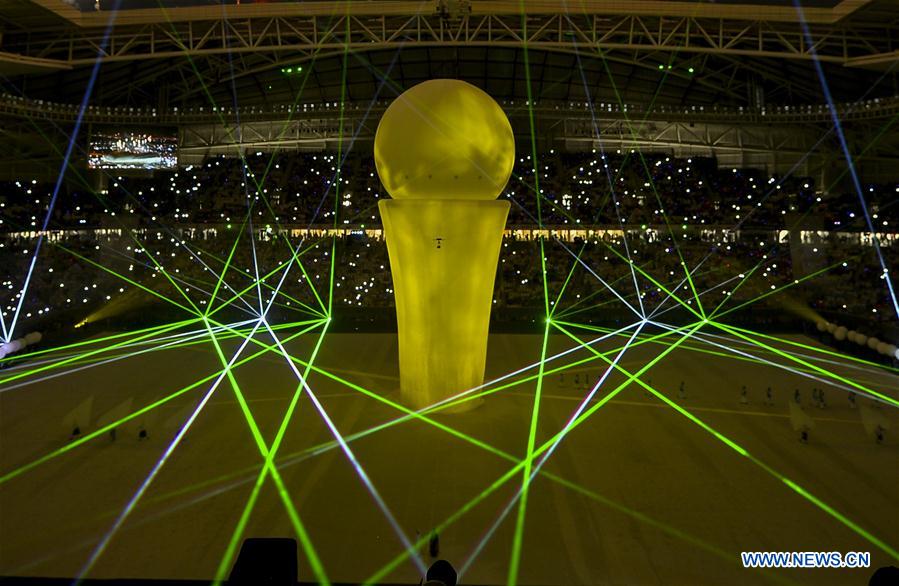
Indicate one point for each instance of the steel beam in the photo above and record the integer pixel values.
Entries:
(843, 43)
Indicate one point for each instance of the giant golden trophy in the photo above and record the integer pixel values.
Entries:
(444, 150)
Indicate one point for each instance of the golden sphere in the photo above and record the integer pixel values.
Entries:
(444, 139)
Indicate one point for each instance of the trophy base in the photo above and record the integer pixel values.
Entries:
(443, 257)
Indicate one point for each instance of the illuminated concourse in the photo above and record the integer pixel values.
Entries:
(610, 300)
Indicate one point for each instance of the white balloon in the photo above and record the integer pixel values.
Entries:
(861, 339)
(891, 350)
(830, 327)
(821, 325)
(15, 345)
(873, 342)
(33, 338)
(882, 347)
(840, 333)
(850, 335)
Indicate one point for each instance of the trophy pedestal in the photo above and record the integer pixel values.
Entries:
(443, 257)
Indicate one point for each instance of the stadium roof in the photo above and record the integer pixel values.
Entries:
(634, 51)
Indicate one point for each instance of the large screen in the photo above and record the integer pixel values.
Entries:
(132, 150)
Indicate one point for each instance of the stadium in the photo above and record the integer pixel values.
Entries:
(449, 291)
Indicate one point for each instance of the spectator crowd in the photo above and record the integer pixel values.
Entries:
(752, 243)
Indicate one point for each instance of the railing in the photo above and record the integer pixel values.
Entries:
(566, 233)
(15, 106)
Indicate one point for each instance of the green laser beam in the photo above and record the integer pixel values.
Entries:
(81, 441)
(390, 566)
(807, 364)
(263, 473)
(283, 493)
(743, 452)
